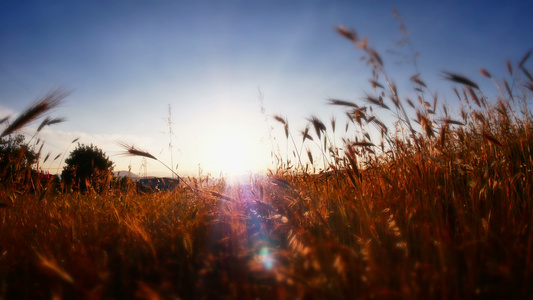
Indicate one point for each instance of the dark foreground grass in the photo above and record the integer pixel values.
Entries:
(419, 230)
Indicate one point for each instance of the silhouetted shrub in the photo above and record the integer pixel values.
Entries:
(87, 168)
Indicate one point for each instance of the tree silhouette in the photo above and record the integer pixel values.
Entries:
(87, 168)
(16, 160)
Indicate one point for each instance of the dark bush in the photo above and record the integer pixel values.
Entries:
(87, 169)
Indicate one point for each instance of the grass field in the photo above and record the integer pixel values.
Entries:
(433, 205)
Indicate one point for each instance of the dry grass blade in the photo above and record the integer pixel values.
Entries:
(310, 156)
(443, 130)
(305, 134)
(460, 79)
(280, 119)
(43, 123)
(375, 101)
(49, 102)
(394, 89)
(350, 117)
(349, 34)
(131, 150)
(509, 67)
(4, 119)
(363, 44)
(492, 140)
(450, 121)
(342, 103)
(416, 79)
(529, 86)
(372, 100)
(375, 56)
(464, 95)
(500, 108)
(410, 103)
(396, 101)
(282, 183)
(527, 74)
(358, 114)
(425, 123)
(508, 89)
(318, 125)
(400, 20)
(384, 129)
(364, 144)
(376, 84)
(284, 122)
(485, 73)
(56, 121)
(479, 117)
(351, 155)
(474, 96)
(266, 206)
(457, 93)
(51, 265)
(47, 122)
(524, 59)
(46, 157)
(223, 197)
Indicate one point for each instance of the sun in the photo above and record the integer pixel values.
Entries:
(227, 146)
(230, 144)
(229, 154)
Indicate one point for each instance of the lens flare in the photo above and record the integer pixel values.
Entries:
(266, 258)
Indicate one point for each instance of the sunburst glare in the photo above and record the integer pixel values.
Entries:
(228, 146)
(229, 154)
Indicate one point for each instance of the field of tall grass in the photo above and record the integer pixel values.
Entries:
(432, 205)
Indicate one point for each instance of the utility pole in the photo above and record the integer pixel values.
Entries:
(142, 171)
(170, 133)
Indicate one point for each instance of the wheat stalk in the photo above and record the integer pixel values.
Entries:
(49, 102)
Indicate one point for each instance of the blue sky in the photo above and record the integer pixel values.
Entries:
(127, 61)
